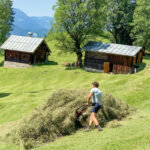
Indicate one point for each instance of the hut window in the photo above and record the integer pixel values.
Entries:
(8, 54)
(16, 55)
(24, 56)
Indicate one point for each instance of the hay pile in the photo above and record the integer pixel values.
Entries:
(57, 117)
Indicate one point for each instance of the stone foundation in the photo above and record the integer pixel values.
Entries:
(93, 70)
(10, 64)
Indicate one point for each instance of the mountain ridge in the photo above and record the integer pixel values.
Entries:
(24, 24)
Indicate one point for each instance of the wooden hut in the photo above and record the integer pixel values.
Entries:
(25, 50)
(116, 58)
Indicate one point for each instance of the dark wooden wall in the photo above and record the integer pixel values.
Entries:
(140, 57)
(95, 60)
(121, 64)
(17, 56)
(40, 55)
(112, 63)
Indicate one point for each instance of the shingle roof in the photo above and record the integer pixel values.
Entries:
(22, 43)
(116, 49)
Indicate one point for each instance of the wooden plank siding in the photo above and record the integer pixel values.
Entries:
(15, 56)
(122, 60)
(121, 64)
(39, 56)
(28, 50)
(95, 60)
(104, 62)
(121, 69)
(140, 57)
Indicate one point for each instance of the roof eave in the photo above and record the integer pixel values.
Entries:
(47, 46)
(18, 51)
(139, 51)
(109, 53)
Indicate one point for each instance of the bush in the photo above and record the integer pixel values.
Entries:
(58, 118)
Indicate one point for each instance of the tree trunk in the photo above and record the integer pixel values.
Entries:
(78, 53)
(79, 58)
(144, 48)
(115, 35)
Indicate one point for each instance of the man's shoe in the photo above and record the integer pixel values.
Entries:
(99, 128)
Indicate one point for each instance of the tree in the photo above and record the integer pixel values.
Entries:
(6, 18)
(119, 19)
(75, 22)
(141, 23)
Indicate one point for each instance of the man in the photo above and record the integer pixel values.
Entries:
(96, 96)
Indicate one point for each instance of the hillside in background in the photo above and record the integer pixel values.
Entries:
(24, 89)
(24, 24)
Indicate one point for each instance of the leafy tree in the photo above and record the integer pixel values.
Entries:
(75, 22)
(120, 17)
(6, 18)
(141, 31)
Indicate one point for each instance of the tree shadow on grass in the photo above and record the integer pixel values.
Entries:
(1, 63)
(141, 67)
(2, 95)
(49, 63)
(147, 57)
(74, 68)
(36, 92)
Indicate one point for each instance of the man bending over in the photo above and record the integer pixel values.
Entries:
(96, 96)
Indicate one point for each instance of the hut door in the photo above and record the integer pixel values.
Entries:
(106, 67)
(32, 59)
(111, 67)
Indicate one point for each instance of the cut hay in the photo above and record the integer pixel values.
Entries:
(57, 117)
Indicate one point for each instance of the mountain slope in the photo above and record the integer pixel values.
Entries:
(24, 24)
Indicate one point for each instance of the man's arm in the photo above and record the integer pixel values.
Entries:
(89, 97)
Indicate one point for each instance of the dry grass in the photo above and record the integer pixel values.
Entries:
(57, 117)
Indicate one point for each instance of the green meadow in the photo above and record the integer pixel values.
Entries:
(21, 90)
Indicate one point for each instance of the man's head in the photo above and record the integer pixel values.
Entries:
(95, 84)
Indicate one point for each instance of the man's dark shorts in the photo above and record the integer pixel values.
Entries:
(95, 107)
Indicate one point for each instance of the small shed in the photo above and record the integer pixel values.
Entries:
(116, 58)
(25, 50)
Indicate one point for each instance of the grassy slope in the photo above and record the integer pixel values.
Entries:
(23, 89)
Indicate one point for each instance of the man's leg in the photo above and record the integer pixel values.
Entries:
(91, 120)
(94, 119)
(96, 122)
(90, 123)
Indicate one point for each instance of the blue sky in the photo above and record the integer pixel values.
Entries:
(35, 7)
